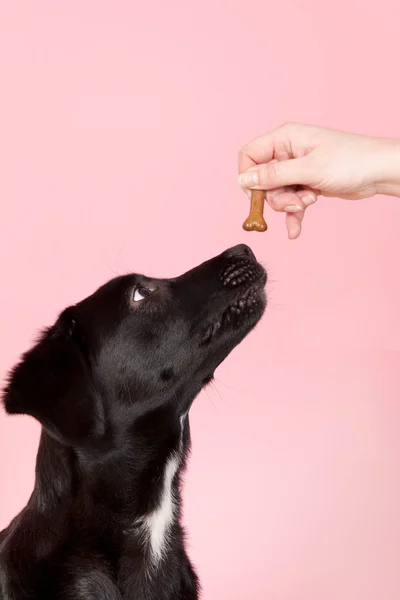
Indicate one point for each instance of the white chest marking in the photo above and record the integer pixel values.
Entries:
(156, 525)
(158, 522)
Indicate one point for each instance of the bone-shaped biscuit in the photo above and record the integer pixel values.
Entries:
(255, 221)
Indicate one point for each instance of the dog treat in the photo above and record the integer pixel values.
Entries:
(255, 221)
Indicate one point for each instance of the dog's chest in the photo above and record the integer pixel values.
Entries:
(154, 528)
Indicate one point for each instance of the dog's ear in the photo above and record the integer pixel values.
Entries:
(53, 383)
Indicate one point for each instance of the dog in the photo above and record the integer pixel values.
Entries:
(111, 383)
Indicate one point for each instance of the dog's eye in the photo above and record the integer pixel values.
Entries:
(140, 293)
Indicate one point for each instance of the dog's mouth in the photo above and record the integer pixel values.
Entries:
(244, 280)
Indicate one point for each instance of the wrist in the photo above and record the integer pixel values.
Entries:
(388, 178)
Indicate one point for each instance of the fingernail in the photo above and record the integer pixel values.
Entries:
(293, 208)
(248, 179)
(308, 200)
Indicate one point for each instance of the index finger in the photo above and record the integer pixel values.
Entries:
(258, 151)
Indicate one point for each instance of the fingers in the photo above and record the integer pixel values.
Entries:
(288, 199)
(278, 143)
(277, 174)
(268, 163)
(259, 150)
(294, 203)
(308, 195)
(293, 224)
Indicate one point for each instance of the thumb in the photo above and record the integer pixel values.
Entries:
(276, 174)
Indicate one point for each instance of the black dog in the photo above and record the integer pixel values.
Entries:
(112, 383)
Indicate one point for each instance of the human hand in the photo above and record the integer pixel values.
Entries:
(296, 163)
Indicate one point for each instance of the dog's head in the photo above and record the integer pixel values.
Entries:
(136, 345)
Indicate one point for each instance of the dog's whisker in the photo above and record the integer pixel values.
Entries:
(111, 269)
(225, 385)
(215, 389)
(210, 400)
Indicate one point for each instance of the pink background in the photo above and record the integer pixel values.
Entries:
(120, 124)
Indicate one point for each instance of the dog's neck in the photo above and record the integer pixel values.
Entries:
(127, 501)
(125, 478)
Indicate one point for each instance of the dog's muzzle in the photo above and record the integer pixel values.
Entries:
(239, 271)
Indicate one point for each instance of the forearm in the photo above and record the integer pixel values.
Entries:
(388, 180)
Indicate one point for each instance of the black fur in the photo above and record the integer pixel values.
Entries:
(111, 383)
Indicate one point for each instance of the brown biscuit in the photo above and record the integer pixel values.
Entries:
(255, 221)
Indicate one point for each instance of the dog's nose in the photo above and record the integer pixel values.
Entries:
(240, 250)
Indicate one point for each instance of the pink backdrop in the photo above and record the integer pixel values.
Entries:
(120, 124)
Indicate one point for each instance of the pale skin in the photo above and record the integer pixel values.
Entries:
(296, 163)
